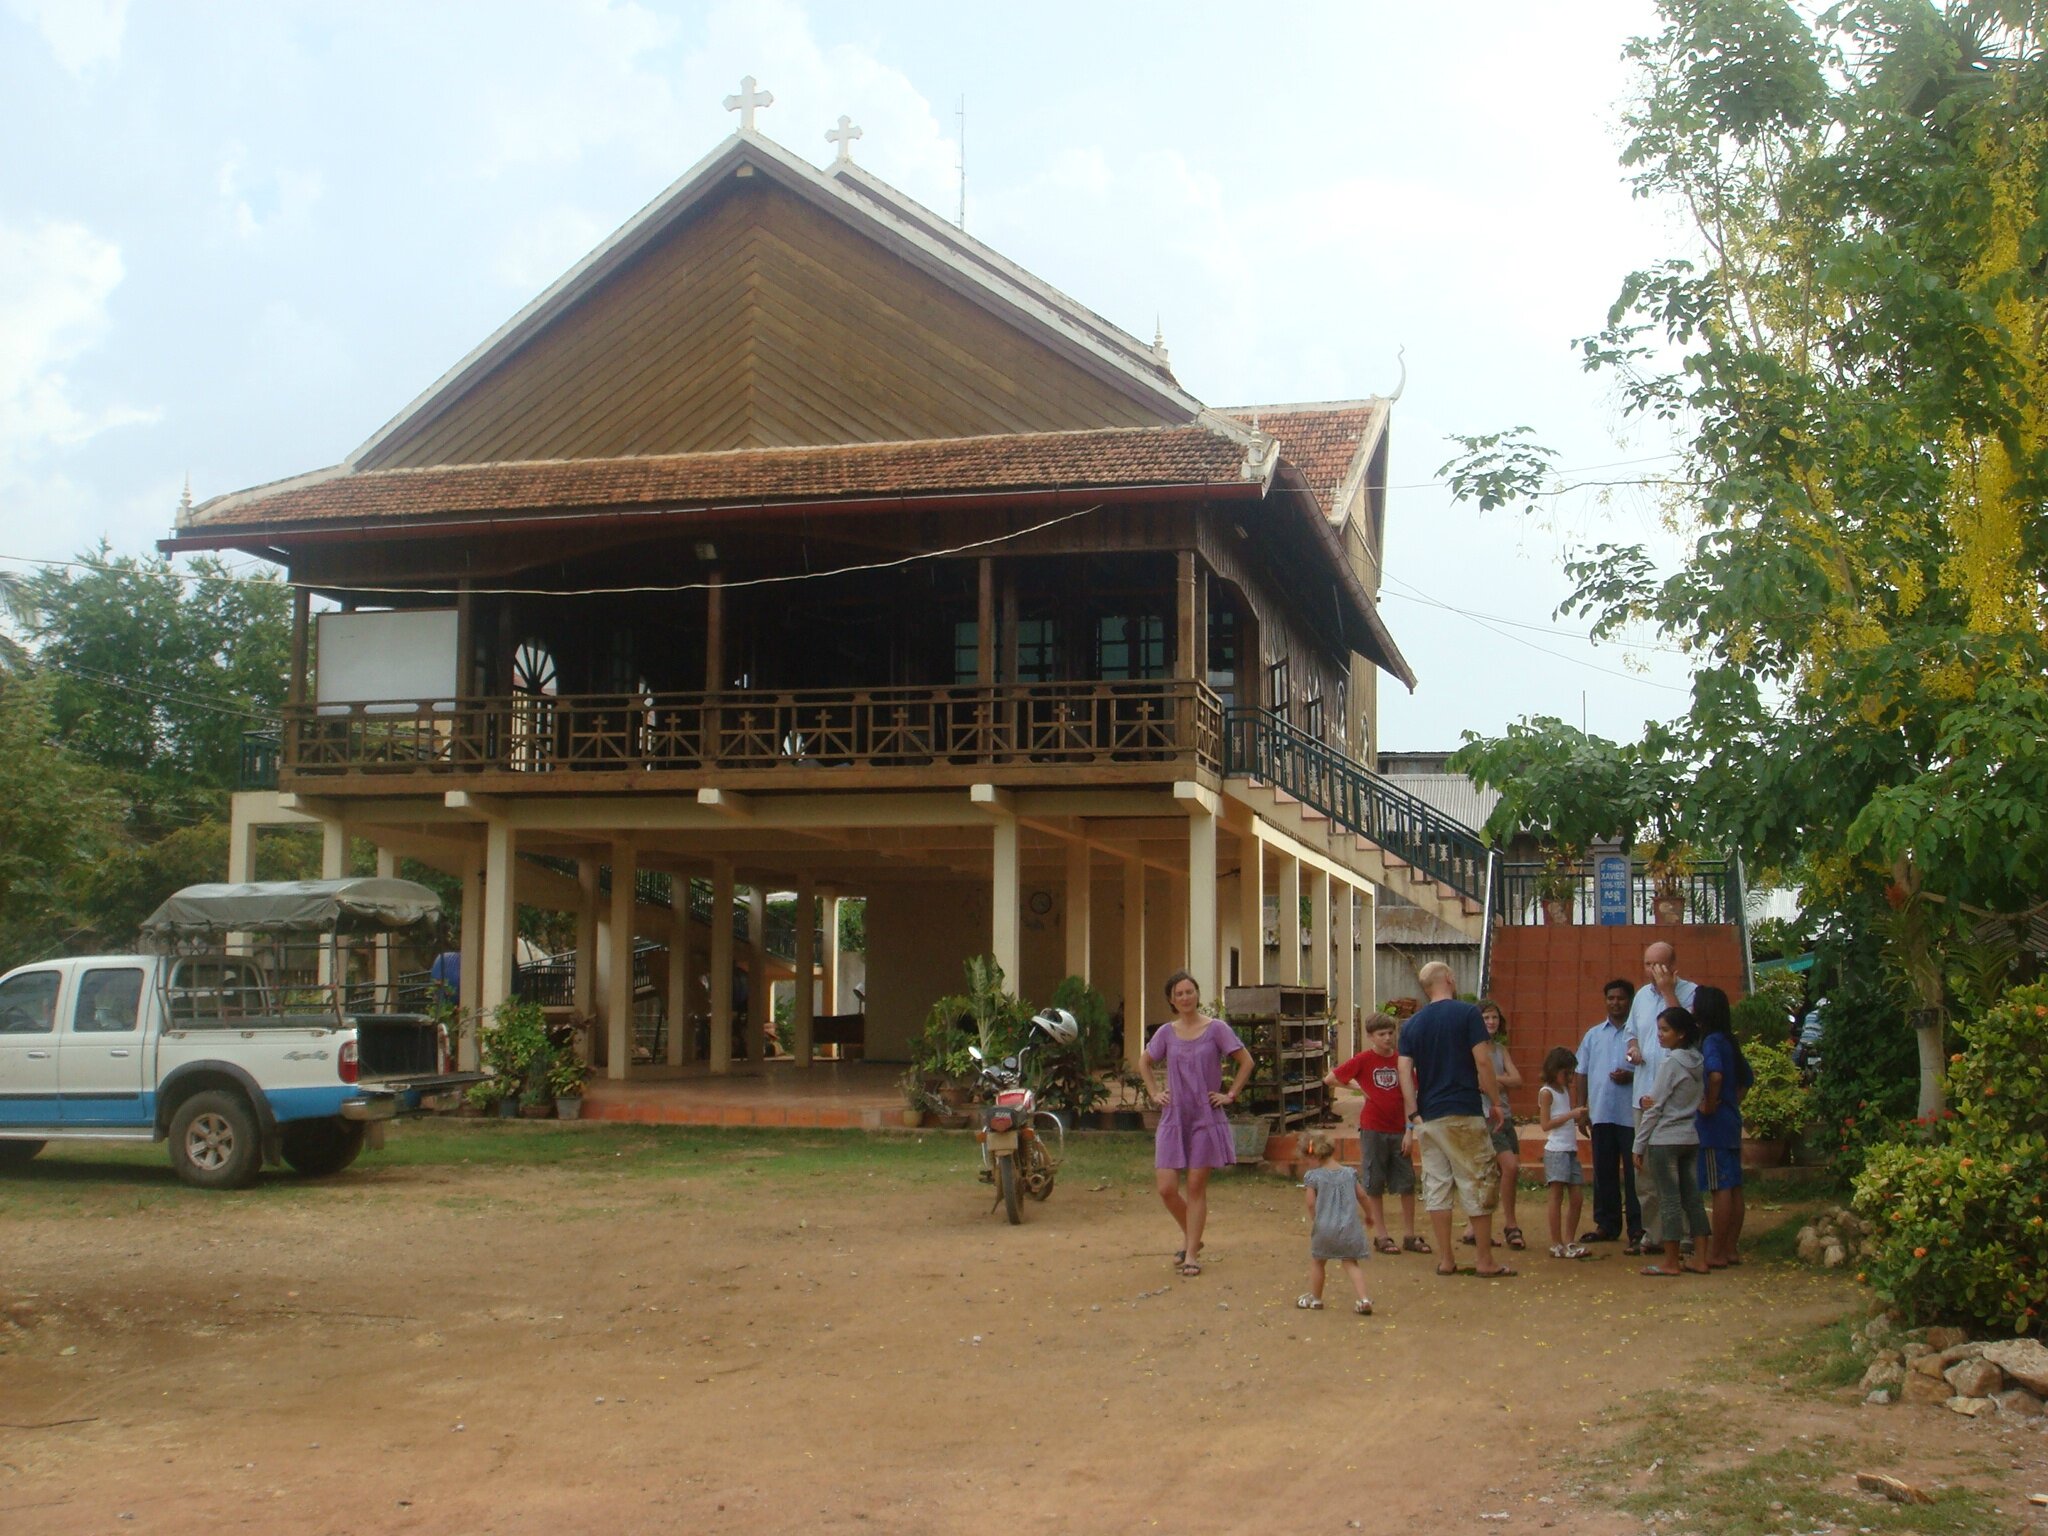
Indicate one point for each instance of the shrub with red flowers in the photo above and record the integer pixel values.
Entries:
(1959, 1217)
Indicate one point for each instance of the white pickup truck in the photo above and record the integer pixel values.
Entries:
(207, 1052)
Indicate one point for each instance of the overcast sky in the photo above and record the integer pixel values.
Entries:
(235, 239)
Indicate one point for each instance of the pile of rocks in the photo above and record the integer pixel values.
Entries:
(1973, 1377)
(1833, 1240)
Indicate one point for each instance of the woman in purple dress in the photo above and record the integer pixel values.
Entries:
(1194, 1136)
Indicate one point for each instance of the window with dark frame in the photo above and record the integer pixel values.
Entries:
(1279, 690)
(1130, 647)
(1312, 717)
(967, 651)
(1038, 650)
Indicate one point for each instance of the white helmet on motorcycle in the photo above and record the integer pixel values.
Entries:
(1059, 1024)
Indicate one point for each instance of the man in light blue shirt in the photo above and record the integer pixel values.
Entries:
(1663, 990)
(1606, 1086)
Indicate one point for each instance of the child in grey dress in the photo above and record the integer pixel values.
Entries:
(1335, 1197)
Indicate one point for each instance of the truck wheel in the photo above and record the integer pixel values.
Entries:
(318, 1149)
(214, 1141)
(16, 1154)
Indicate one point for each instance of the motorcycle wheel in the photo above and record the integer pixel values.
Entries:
(1037, 1170)
(1013, 1200)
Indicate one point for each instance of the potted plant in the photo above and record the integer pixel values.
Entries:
(1066, 1076)
(566, 1076)
(1775, 1109)
(516, 1035)
(912, 1085)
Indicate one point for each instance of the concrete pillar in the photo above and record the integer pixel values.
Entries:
(241, 842)
(1006, 926)
(1201, 904)
(469, 988)
(618, 1054)
(1289, 895)
(721, 966)
(1079, 908)
(1319, 931)
(1346, 999)
(501, 914)
(584, 998)
(677, 1004)
(333, 850)
(1368, 951)
(830, 918)
(1135, 998)
(760, 994)
(1251, 910)
(804, 1001)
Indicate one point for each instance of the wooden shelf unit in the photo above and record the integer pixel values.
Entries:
(1290, 1035)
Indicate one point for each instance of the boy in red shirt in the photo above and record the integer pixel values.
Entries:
(1383, 1165)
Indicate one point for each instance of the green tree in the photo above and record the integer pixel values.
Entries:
(157, 673)
(1853, 358)
(57, 816)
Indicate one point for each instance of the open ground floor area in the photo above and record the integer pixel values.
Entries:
(538, 1327)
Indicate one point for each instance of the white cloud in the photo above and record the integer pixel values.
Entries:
(589, 74)
(259, 203)
(81, 33)
(55, 281)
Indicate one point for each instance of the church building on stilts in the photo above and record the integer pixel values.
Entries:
(796, 541)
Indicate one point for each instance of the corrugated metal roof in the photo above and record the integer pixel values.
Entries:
(1452, 793)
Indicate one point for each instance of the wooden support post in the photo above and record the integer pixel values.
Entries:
(677, 1003)
(803, 1003)
(501, 929)
(831, 978)
(382, 976)
(721, 966)
(1079, 908)
(760, 995)
(333, 866)
(1346, 999)
(985, 624)
(584, 996)
(1006, 922)
(1289, 895)
(1008, 625)
(1251, 910)
(618, 1011)
(1134, 961)
(1186, 642)
(241, 843)
(1201, 903)
(1368, 951)
(300, 687)
(469, 987)
(714, 667)
(1319, 931)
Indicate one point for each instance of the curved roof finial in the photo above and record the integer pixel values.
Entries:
(1401, 357)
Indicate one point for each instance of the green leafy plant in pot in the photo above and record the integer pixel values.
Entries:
(516, 1035)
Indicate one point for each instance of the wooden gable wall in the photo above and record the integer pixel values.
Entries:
(760, 321)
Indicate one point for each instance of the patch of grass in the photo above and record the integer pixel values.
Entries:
(1803, 1486)
(1821, 1361)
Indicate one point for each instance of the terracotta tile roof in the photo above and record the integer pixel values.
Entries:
(1192, 456)
(1319, 440)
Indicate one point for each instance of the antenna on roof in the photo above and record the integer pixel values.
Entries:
(961, 113)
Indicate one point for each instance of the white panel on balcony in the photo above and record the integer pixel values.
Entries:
(399, 659)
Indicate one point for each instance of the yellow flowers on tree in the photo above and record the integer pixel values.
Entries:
(1853, 357)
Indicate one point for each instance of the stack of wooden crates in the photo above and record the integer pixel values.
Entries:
(1289, 1032)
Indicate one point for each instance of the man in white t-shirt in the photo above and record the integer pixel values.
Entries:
(1664, 989)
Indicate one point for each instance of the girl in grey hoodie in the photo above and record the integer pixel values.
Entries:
(1667, 1147)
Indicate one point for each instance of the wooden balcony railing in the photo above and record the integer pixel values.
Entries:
(1080, 724)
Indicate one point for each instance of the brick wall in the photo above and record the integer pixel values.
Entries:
(1547, 980)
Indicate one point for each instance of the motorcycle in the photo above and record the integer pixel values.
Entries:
(1015, 1154)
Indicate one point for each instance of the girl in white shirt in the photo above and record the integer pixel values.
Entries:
(1561, 1170)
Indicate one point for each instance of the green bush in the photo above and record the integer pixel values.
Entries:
(1777, 1104)
(1869, 1083)
(512, 1043)
(1065, 1075)
(1958, 1226)
(1758, 1020)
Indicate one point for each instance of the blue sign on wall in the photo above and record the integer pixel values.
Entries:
(1610, 877)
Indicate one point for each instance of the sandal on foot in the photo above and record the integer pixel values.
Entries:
(1453, 1270)
(1564, 1251)
(1574, 1251)
(1362, 1307)
(1514, 1238)
(1416, 1245)
(1385, 1245)
(1189, 1269)
(1659, 1272)
(1309, 1303)
(1504, 1272)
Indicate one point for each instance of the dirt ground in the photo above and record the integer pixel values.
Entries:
(519, 1329)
